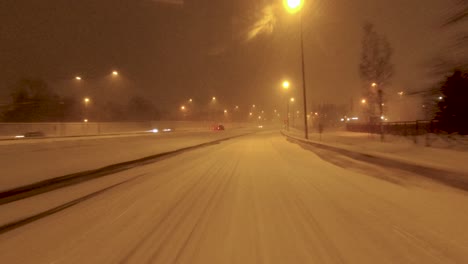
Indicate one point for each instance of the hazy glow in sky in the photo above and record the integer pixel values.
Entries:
(265, 24)
(237, 50)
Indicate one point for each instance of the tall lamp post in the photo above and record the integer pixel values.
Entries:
(295, 6)
(286, 86)
(380, 102)
(86, 101)
(183, 109)
(213, 109)
(291, 100)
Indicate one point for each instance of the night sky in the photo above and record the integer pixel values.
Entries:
(171, 50)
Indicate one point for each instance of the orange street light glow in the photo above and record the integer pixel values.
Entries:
(293, 6)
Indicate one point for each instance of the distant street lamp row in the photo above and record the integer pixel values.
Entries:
(87, 100)
(114, 73)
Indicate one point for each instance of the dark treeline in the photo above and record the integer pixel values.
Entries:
(450, 109)
(32, 100)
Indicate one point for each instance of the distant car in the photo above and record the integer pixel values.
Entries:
(218, 128)
(34, 134)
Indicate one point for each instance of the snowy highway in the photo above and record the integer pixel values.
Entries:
(257, 198)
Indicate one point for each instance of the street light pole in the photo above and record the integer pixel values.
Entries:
(306, 128)
(286, 85)
(291, 100)
(287, 114)
(296, 6)
(380, 102)
(380, 94)
(86, 101)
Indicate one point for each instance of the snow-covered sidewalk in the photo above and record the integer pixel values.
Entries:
(447, 155)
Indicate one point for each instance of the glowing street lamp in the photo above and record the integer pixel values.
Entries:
(286, 85)
(182, 108)
(225, 111)
(213, 98)
(293, 6)
(87, 100)
(190, 100)
(363, 101)
(115, 73)
(78, 78)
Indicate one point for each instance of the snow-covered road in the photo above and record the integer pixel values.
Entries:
(253, 199)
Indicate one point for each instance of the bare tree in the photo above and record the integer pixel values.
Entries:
(461, 14)
(375, 68)
(459, 19)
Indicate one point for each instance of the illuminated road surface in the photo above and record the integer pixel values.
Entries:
(254, 199)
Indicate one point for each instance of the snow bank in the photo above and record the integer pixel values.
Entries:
(449, 155)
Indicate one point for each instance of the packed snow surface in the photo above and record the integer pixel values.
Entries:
(253, 199)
